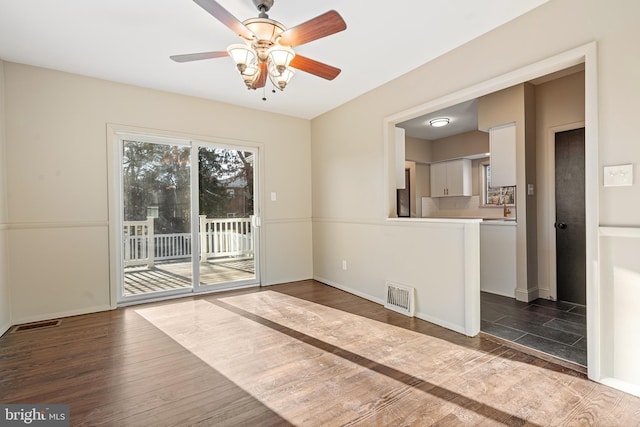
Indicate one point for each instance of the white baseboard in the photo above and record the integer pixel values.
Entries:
(348, 289)
(502, 294)
(544, 293)
(421, 316)
(58, 315)
(4, 328)
(439, 322)
(527, 295)
(283, 281)
(622, 385)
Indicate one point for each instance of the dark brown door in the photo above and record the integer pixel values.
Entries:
(570, 217)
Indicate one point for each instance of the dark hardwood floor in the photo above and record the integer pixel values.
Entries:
(554, 327)
(299, 354)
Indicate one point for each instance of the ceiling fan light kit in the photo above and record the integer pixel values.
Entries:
(268, 45)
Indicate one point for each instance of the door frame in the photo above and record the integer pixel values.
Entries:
(114, 133)
(551, 201)
(587, 54)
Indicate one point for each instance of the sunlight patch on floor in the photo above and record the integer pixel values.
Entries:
(321, 366)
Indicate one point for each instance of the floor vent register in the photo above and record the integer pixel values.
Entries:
(400, 298)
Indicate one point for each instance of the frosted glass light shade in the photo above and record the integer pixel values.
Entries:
(282, 80)
(242, 55)
(280, 57)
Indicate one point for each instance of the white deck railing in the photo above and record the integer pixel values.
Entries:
(227, 237)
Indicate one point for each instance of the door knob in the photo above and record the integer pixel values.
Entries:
(561, 225)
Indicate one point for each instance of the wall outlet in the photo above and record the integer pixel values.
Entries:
(344, 264)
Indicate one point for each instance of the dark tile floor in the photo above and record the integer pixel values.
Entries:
(554, 327)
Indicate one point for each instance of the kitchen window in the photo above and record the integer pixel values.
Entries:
(495, 196)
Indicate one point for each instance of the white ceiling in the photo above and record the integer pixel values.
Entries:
(130, 41)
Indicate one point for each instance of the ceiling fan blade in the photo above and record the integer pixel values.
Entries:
(262, 77)
(314, 67)
(223, 15)
(198, 56)
(321, 26)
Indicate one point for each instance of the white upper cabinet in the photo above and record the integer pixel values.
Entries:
(452, 178)
(502, 142)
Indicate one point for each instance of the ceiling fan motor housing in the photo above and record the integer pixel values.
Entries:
(263, 7)
(266, 33)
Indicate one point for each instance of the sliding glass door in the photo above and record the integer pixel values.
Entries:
(188, 217)
(226, 216)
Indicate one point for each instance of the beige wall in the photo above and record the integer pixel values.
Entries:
(417, 150)
(56, 137)
(461, 145)
(5, 306)
(350, 196)
(560, 105)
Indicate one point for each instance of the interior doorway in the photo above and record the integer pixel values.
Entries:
(570, 216)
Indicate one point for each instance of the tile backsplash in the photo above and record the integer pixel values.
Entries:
(468, 207)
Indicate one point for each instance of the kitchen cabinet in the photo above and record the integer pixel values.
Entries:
(451, 178)
(502, 145)
(498, 258)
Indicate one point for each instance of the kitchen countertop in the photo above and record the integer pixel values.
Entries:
(500, 222)
(485, 221)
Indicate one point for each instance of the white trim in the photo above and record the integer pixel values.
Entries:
(456, 328)
(166, 297)
(355, 221)
(527, 296)
(632, 232)
(592, 212)
(4, 328)
(398, 222)
(160, 134)
(60, 314)
(114, 190)
(622, 385)
(348, 289)
(54, 225)
(115, 135)
(286, 220)
(419, 315)
(550, 143)
(472, 279)
(414, 221)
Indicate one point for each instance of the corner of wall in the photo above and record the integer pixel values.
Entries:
(5, 294)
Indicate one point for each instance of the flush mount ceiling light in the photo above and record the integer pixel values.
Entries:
(267, 48)
(436, 123)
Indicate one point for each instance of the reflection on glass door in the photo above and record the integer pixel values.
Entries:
(226, 216)
(188, 219)
(156, 218)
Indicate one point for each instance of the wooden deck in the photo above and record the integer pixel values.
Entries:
(177, 275)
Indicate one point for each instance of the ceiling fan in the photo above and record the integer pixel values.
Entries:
(268, 45)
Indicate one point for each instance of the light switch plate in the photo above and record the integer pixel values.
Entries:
(274, 196)
(620, 175)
